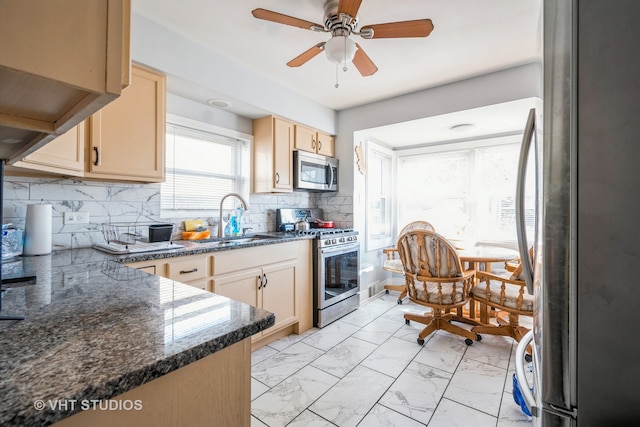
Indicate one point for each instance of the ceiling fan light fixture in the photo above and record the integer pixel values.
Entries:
(340, 49)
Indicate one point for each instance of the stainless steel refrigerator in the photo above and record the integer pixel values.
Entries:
(586, 267)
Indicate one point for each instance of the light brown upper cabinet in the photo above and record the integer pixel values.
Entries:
(125, 141)
(61, 61)
(272, 155)
(127, 137)
(308, 139)
(64, 155)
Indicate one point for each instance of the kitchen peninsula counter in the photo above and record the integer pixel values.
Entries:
(96, 329)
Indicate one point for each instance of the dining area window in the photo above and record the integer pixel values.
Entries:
(379, 196)
(466, 190)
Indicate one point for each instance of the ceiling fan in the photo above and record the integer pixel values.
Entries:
(341, 20)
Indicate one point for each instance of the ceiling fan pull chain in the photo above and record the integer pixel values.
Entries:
(337, 76)
(344, 67)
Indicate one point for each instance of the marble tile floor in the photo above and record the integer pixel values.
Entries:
(367, 369)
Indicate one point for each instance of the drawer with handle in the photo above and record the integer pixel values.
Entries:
(189, 269)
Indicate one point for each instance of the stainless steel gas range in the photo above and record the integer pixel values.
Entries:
(336, 265)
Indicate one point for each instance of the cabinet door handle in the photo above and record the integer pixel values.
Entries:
(277, 178)
(319, 145)
(188, 271)
(259, 281)
(313, 143)
(265, 281)
(97, 161)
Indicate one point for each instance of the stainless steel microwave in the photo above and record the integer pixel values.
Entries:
(313, 172)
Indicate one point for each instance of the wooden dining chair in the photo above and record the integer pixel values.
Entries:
(393, 263)
(506, 293)
(510, 266)
(435, 278)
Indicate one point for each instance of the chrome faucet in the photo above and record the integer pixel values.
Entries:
(244, 206)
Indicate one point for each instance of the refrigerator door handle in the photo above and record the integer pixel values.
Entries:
(527, 139)
(525, 387)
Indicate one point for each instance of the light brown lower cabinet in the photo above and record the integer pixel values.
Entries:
(191, 270)
(277, 278)
(271, 288)
(215, 390)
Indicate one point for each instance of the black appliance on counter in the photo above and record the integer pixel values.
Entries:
(336, 265)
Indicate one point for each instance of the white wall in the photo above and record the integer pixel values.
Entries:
(204, 113)
(175, 55)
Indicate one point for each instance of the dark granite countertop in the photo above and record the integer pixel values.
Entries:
(96, 328)
(213, 245)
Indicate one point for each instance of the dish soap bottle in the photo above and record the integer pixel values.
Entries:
(228, 231)
(237, 223)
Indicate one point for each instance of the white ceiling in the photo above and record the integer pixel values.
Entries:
(493, 120)
(470, 38)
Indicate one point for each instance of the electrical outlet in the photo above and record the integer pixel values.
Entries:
(76, 218)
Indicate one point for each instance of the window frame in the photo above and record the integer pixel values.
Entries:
(471, 144)
(173, 119)
(386, 239)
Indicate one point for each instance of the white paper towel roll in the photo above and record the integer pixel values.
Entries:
(37, 230)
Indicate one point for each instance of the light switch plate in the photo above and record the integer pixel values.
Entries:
(76, 218)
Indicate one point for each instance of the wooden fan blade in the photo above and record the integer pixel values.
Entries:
(350, 7)
(306, 55)
(279, 18)
(417, 28)
(363, 63)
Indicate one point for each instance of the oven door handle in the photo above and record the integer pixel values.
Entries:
(338, 250)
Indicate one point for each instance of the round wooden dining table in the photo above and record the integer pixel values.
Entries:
(480, 258)
(486, 255)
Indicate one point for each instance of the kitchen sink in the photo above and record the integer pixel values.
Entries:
(240, 240)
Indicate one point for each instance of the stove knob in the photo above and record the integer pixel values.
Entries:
(327, 242)
(333, 241)
(342, 240)
(354, 238)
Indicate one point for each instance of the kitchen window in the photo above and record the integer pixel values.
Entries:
(466, 190)
(203, 163)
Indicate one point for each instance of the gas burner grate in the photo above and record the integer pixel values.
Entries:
(325, 231)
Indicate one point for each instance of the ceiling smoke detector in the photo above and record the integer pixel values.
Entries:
(219, 103)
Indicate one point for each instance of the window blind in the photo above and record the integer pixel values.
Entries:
(201, 167)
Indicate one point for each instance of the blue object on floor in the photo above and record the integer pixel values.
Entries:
(517, 396)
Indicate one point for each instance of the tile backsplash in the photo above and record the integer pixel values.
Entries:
(124, 202)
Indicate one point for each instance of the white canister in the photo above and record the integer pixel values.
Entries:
(37, 230)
